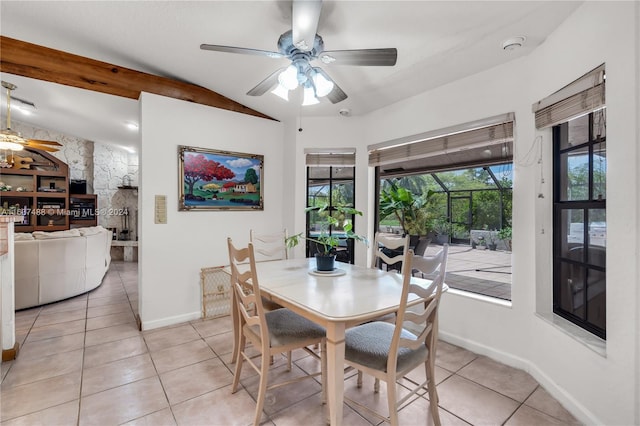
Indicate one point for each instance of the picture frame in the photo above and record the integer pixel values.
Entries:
(211, 179)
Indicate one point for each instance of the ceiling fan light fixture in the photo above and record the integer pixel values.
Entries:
(309, 96)
(323, 85)
(281, 92)
(11, 140)
(289, 77)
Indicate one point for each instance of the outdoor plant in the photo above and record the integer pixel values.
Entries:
(409, 209)
(505, 235)
(326, 243)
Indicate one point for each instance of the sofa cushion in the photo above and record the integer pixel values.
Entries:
(42, 235)
(91, 230)
(22, 236)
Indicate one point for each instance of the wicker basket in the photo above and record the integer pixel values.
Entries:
(216, 297)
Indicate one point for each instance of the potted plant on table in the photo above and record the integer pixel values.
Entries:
(327, 242)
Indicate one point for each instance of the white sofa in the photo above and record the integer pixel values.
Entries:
(52, 266)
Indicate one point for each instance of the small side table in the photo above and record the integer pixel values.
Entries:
(127, 248)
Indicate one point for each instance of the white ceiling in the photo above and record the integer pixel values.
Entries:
(437, 41)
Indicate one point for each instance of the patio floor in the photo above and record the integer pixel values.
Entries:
(479, 271)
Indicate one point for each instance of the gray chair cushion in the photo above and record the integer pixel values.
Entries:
(368, 345)
(286, 327)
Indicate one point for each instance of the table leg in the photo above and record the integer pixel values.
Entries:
(335, 372)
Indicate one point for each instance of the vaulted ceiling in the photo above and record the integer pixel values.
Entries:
(437, 41)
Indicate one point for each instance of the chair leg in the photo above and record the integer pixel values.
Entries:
(392, 400)
(359, 381)
(239, 361)
(376, 386)
(433, 392)
(262, 388)
(288, 360)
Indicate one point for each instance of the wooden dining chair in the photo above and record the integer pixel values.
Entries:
(388, 251)
(389, 351)
(269, 246)
(270, 333)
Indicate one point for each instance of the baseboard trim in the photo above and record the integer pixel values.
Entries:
(163, 322)
(578, 410)
(10, 354)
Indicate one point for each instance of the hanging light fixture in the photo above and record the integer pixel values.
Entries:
(323, 85)
(288, 78)
(281, 92)
(309, 95)
(315, 82)
(8, 138)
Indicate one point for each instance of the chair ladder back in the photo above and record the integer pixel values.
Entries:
(246, 287)
(391, 242)
(269, 246)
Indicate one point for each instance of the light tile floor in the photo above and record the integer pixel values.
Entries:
(84, 362)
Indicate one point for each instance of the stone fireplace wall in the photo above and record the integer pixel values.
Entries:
(105, 167)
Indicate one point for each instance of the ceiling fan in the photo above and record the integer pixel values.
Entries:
(302, 45)
(12, 140)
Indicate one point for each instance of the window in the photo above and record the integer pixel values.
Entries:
(580, 225)
(330, 181)
(465, 171)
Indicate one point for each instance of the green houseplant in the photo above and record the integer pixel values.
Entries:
(411, 211)
(326, 242)
(505, 235)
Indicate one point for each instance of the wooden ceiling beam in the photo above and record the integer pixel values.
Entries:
(43, 63)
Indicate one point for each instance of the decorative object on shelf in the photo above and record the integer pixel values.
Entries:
(327, 242)
(40, 191)
(219, 180)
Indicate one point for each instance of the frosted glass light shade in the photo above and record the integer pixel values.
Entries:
(323, 86)
(281, 92)
(309, 96)
(289, 78)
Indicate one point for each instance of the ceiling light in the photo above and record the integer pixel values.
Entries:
(513, 43)
(289, 77)
(281, 92)
(345, 112)
(132, 126)
(324, 86)
(6, 143)
(309, 96)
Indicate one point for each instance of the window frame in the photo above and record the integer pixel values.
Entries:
(587, 206)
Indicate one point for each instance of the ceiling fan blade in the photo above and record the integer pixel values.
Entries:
(42, 147)
(267, 84)
(366, 57)
(305, 16)
(43, 142)
(336, 95)
(241, 50)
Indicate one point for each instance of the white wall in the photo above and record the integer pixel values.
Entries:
(597, 388)
(327, 132)
(171, 255)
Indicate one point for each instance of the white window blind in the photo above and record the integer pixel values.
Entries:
(585, 95)
(446, 143)
(331, 157)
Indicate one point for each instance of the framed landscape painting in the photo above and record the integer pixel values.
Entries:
(219, 180)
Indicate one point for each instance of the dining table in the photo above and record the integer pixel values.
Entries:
(337, 300)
